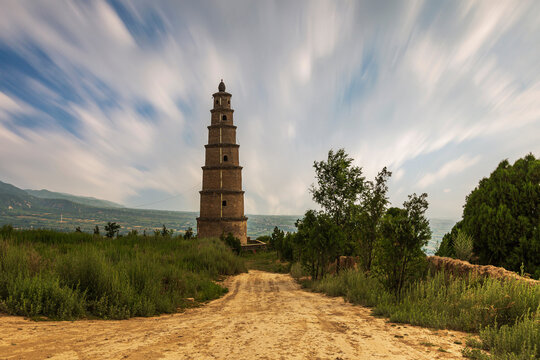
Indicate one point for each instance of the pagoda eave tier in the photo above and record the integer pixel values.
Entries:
(221, 110)
(221, 191)
(244, 218)
(221, 145)
(221, 167)
(217, 126)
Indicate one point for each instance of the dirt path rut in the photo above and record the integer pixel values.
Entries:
(264, 316)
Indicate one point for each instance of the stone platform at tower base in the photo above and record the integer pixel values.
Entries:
(215, 227)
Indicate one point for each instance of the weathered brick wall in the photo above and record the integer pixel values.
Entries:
(233, 157)
(214, 156)
(217, 116)
(232, 179)
(210, 205)
(237, 228)
(216, 228)
(222, 101)
(211, 179)
(235, 205)
(228, 135)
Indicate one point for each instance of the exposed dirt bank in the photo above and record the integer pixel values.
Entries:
(264, 316)
(464, 268)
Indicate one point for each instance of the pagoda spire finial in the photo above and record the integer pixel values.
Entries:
(221, 86)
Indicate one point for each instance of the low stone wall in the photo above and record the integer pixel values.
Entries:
(464, 268)
(345, 262)
(254, 246)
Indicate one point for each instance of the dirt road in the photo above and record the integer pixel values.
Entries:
(264, 316)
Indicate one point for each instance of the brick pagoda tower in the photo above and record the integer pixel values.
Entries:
(222, 198)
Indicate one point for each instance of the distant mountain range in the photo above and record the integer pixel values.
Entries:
(65, 212)
(84, 200)
(11, 198)
(60, 211)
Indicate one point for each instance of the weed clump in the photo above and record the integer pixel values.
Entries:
(75, 275)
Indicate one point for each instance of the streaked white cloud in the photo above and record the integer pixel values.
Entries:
(396, 84)
(398, 174)
(452, 167)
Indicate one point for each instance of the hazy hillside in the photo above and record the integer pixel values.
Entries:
(84, 200)
(47, 209)
(44, 209)
(13, 200)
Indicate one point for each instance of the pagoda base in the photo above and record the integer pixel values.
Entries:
(215, 227)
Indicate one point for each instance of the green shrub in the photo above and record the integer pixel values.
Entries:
(68, 276)
(297, 271)
(266, 261)
(356, 286)
(463, 246)
(505, 313)
(43, 295)
(520, 340)
(232, 242)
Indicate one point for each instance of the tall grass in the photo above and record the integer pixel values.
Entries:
(266, 261)
(73, 275)
(520, 340)
(504, 313)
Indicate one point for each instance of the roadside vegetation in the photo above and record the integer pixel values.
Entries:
(504, 314)
(266, 261)
(501, 218)
(356, 224)
(48, 274)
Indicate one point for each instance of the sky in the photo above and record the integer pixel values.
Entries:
(112, 99)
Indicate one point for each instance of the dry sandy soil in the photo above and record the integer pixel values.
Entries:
(264, 316)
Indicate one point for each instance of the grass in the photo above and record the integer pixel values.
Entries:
(75, 275)
(505, 314)
(266, 261)
(520, 340)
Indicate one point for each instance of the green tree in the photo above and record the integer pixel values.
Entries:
(282, 244)
(78, 229)
(233, 242)
(317, 242)
(188, 235)
(502, 215)
(446, 247)
(329, 240)
(165, 232)
(305, 251)
(96, 230)
(339, 186)
(368, 215)
(112, 229)
(404, 233)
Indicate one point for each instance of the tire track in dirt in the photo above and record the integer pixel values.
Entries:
(263, 316)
